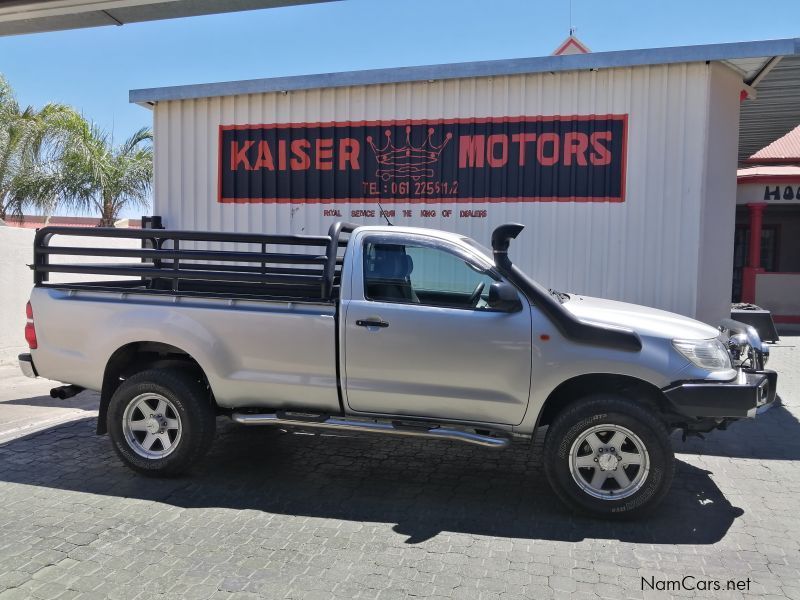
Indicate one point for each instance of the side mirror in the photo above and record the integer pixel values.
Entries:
(504, 296)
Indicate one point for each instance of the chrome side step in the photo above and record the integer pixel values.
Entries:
(340, 424)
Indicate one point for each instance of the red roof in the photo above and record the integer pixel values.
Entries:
(785, 149)
(37, 221)
(571, 45)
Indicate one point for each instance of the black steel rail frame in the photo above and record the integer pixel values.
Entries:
(311, 275)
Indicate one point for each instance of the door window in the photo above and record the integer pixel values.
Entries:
(421, 274)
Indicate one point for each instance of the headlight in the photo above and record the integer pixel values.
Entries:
(706, 354)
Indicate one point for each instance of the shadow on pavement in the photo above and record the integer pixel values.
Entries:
(422, 487)
(773, 435)
(85, 400)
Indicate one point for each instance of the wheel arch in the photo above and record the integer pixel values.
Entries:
(135, 357)
(574, 389)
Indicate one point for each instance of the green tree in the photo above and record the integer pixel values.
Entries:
(95, 175)
(31, 142)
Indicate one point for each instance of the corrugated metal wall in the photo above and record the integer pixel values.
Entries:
(644, 250)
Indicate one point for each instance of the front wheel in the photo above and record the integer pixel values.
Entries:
(161, 421)
(609, 456)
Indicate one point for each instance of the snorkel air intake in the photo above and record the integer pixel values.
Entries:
(501, 240)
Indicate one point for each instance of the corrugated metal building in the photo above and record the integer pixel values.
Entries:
(622, 165)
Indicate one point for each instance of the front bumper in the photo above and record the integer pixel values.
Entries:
(735, 399)
(26, 365)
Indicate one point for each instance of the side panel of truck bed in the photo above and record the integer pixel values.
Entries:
(254, 353)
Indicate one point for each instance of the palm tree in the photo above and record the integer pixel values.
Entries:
(31, 142)
(96, 175)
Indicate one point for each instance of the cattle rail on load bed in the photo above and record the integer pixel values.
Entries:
(168, 269)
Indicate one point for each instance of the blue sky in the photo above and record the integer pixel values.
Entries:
(93, 69)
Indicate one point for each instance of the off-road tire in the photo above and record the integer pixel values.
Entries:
(194, 406)
(599, 409)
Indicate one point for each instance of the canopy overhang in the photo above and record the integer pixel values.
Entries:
(775, 110)
(36, 16)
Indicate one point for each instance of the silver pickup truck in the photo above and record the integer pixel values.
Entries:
(381, 330)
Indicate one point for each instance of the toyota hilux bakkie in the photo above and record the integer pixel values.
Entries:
(381, 330)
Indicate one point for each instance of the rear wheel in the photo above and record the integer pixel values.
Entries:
(609, 456)
(161, 421)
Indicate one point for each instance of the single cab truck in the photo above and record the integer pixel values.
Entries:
(383, 330)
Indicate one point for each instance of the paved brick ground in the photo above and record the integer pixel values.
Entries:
(281, 516)
(26, 406)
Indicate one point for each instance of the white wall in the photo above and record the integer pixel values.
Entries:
(645, 250)
(16, 280)
(779, 293)
(718, 208)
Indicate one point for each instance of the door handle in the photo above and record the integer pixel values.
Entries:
(372, 323)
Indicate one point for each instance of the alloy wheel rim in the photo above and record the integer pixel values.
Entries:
(609, 462)
(152, 426)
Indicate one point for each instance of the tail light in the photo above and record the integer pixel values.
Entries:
(30, 330)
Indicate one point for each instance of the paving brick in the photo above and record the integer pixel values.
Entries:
(269, 515)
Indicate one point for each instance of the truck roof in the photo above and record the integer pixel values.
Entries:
(418, 230)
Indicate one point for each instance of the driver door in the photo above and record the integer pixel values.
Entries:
(421, 341)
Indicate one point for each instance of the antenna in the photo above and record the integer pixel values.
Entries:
(571, 28)
(383, 214)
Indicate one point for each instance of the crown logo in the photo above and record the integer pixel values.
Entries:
(409, 160)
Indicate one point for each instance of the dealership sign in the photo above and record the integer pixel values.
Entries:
(773, 189)
(503, 159)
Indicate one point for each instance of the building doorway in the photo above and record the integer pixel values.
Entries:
(741, 246)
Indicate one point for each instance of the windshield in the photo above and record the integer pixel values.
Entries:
(479, 248)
